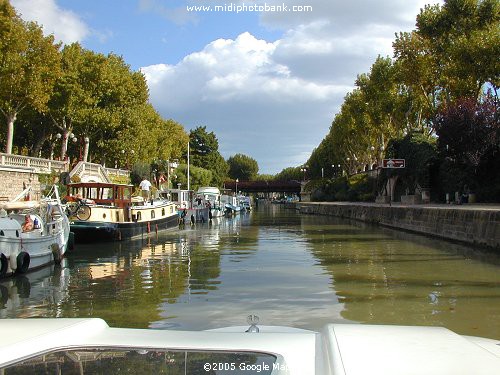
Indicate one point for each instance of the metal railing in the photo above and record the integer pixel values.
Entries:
(35, 164)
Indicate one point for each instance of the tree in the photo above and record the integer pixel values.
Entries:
(469, 137)
(453, 53)
(242, 167)
(29, 66)
(197, 177)
(419, 152)
(289, 174)
(205, 154)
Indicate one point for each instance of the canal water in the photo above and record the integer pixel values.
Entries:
(300, 271)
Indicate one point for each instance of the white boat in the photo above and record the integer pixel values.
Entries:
(44, 243)
(210, 197)
(231, 204)
(108, 212)
(245, 202)
(90, 346)
(183, 200)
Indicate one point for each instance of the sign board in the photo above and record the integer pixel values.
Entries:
(393, 163)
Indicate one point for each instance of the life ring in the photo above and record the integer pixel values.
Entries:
(4, 265)
(23, 262)
(56, 253)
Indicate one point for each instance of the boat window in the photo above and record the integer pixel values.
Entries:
(163, 212)
(152, 214)
(145, 361)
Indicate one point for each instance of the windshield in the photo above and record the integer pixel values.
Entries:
(144, 361)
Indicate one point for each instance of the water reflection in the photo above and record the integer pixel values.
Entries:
(385, 276)
(301, 271)
(39, 292)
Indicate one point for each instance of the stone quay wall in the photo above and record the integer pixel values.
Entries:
(472, 225)
(13, 182)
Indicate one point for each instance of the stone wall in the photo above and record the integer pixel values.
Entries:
(473, 226)
(14, 180)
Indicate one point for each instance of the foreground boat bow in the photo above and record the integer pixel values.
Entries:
(69, 345)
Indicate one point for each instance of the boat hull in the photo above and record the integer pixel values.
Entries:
(24, 251)
(95, 231)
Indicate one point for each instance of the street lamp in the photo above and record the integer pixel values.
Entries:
(236, 189)
(304, 170)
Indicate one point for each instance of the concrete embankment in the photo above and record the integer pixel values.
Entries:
(473, 224)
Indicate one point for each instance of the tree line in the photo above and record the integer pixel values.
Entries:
(67, 102)
(56, 99)
(442, 80)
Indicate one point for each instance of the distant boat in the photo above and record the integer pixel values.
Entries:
(231, 204)
(108, 212)
(210, 197)
(43, 240)
(244, 202)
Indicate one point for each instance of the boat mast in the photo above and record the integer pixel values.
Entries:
(188, 170)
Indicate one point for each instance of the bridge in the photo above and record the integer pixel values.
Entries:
(265, 186)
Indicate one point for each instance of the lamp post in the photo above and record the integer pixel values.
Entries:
(236, 188)
(348, 165)
(336, 170)
(304, 170)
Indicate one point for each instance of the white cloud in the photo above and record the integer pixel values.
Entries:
(275, 100)
(65, 25)
(252, 103)
(272, 100)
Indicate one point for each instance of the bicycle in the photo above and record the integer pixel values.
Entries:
(79, 209)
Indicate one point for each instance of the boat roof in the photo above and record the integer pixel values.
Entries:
(19, 205)
(208, 190)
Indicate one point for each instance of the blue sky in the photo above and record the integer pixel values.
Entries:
(267, 83)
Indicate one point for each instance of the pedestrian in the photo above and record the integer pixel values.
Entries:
(145, 186)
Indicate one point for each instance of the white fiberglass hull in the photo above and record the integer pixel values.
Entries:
(346, 349)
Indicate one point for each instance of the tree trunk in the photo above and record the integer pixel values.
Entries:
(11, 118)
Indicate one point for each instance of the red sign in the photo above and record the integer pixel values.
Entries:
(393, 163)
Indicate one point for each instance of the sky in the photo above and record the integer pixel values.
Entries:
(266, 76)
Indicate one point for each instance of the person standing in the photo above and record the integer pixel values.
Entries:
(145, 186)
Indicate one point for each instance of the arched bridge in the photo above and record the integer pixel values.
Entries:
(264, 186)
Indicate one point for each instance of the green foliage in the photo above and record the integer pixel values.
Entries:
(198, 177)
(29, 65)
(205, 154)
(290, 174)
(242, 167)
(119, 179)
(453, 53)
(359, 187)
(264, 177)
(139, 171)
(419, 152)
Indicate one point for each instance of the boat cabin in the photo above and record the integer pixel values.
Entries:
(101, 193)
